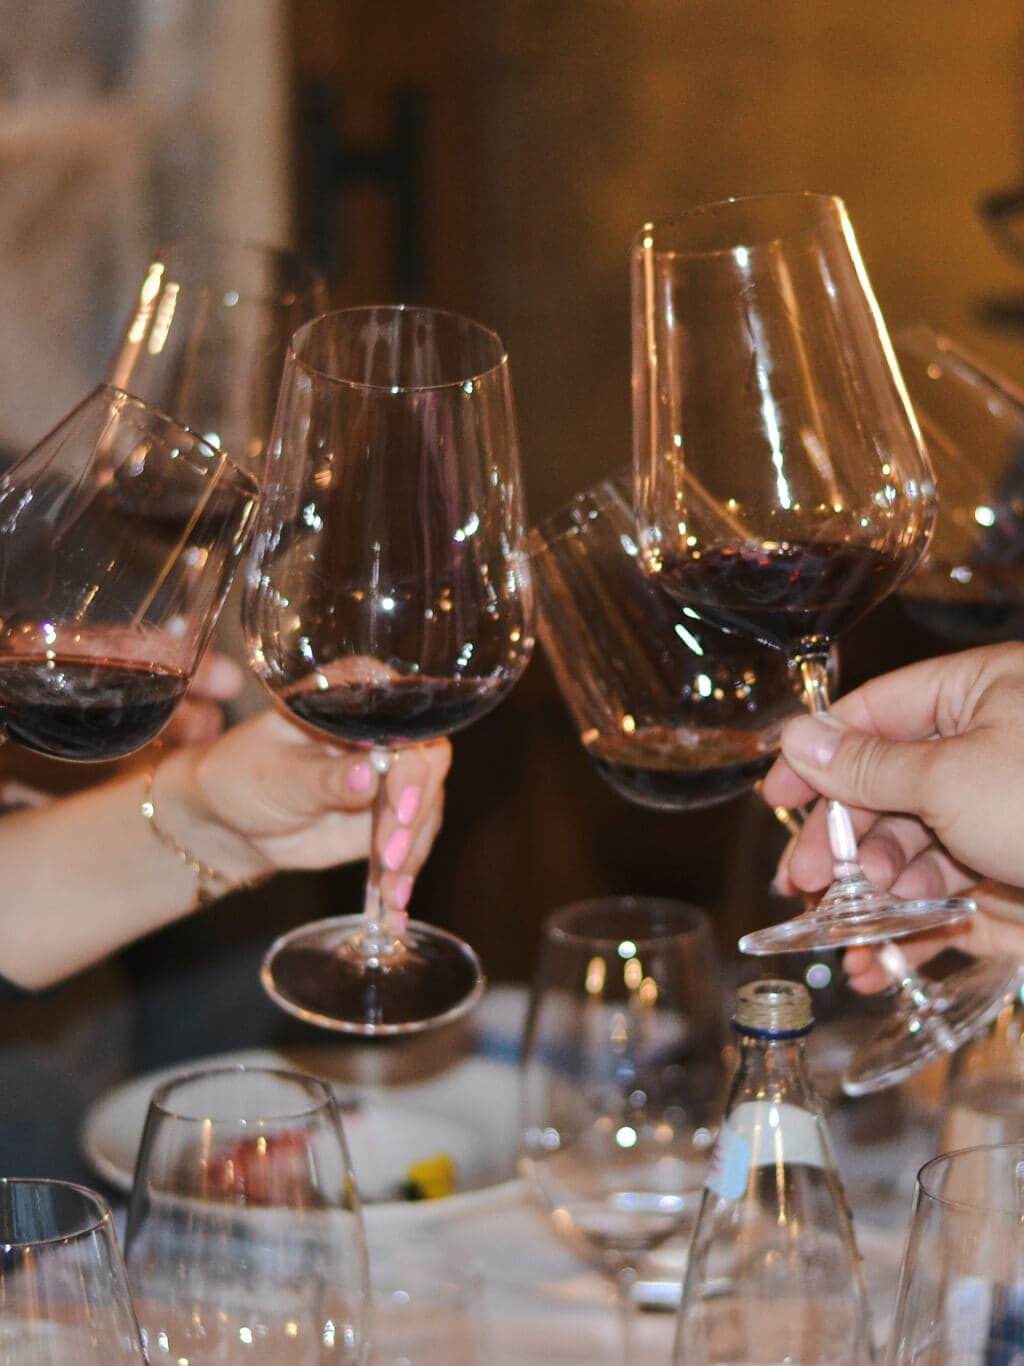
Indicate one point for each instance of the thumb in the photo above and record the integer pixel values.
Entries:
(856, 768)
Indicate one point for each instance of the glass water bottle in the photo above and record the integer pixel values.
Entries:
(774, 1275)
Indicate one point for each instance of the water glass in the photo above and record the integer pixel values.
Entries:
(245, 1238)
(64, 1298)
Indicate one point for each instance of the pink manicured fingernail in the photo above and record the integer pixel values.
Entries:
(812, 740)
(403, 891)
(396, 849)
(397, 921)
(408, 805)
(360, 776)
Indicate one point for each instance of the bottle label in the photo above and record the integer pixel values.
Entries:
(761, 1133)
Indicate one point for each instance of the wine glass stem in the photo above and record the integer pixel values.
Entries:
(624, 1279)
(842, 840)
(379, 928)
(912, 988)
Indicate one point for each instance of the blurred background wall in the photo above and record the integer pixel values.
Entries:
(494, 157)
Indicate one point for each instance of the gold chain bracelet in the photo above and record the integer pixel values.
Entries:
(212, 884)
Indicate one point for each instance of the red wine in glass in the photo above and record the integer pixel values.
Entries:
(102, 622)
(86, 709)
(672, 769)
(674, 714)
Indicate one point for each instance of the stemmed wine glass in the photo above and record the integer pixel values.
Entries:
(623, 1077)
(674, 714)
(966, 591)
(244, 1237)
(64, 1297)
(960, 1298)
(206, 340)
(388, 601)
(119, 533)
(782, 488)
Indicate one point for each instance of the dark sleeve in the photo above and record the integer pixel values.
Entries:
(11, 993)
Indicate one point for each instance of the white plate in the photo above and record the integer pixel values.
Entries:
(423, 1100)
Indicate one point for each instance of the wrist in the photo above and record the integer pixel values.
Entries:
(173, 803)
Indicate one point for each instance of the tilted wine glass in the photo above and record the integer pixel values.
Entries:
(388, 601)
(674, 714)
(782, 488)
(966, 591)
(119, 533)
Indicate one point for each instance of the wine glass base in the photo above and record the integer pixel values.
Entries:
(876, 919)
(918, 1033)
(320, 973)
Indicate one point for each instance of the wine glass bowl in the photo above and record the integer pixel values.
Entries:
(674, 714)
(119, 533)
(244, 1236)
(207, 337)
(960, 1297)
(782, 488)
(388, 601)
(63, 1285)
(969, 589)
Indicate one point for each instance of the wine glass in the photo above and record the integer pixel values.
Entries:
(969, 589)
(782, 488)
(63, 1289)
(244, 1237)
(119, 533)
(674, 714)
(206, 340)
(623, 1077)
(960, 1298)
(388, 601)
(966, 591)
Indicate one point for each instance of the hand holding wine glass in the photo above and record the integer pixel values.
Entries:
(782, 488)
(388, 602)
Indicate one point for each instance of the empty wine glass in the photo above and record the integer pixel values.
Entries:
(960, 1299)
(782, 487)
(208, 334)
(674, 714)
(119, 533)
(969, 589)
(244, 1238)
(206, 340)
(64, 1298)
(388, 601)
(623, 1077)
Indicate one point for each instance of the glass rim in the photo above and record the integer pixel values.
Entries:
(159, 1100)
(557, 526)
(643, 241)
(943, 1161)
(345, 382)
(101, 1216)
(307, 276)
(216, 454)
(692, 920)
